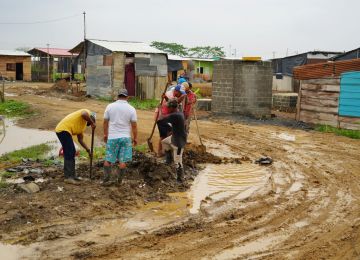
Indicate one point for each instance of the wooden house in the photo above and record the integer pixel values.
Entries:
(15, 65)
(114, 65)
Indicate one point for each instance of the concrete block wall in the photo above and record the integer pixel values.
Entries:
(98, 77)
(285, 102)
(242, 87)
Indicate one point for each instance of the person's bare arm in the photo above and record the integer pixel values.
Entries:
(134, 132)
(106, 129)
(80, 138)
(88, 119)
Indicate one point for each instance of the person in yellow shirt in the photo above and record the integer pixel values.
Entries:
(73, 124)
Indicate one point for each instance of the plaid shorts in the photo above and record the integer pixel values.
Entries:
(119, 149)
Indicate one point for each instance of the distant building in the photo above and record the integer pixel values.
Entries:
(114, 65)
(15, 65)
(283, 68)
(177, 66)
(60, 62)
(349, 55)
(203, 69)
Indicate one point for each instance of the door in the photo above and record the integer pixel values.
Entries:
(19, 71)
(130, 78)
(349, 101)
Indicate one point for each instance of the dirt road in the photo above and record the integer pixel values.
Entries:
(308, 208)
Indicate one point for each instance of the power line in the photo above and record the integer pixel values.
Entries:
(40, 22)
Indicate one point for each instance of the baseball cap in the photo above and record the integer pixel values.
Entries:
(180, 88)
(172, 103)
(181, 80)
(123, 92)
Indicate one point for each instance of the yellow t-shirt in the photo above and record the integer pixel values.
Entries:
(73, 123)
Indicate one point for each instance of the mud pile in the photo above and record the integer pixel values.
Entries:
(145, 180)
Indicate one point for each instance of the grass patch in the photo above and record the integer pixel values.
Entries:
(141, 148)
(99, 153)
(32, 152)
(3, 185)
(355, 134)
(6, 175)
(145, 104)
(12, 108)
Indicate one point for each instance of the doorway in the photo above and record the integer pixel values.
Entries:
(130, 78)
(19, 71)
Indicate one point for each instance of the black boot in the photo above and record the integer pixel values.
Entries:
(168, 157)
(107, 173)
(69, 171)
(180, 173)
(120, 174)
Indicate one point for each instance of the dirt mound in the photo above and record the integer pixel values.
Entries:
(146, 179)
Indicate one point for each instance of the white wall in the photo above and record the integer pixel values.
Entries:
(283, 85)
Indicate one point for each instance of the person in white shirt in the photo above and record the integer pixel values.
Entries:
(120, 120)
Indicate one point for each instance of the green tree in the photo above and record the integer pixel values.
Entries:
(25, 49)
(207, 52)
(171, 48)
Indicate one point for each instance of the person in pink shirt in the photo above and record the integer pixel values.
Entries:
(189, 105)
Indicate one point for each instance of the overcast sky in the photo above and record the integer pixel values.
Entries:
(252, 27)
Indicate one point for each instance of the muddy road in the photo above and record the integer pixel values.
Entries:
(305, 205)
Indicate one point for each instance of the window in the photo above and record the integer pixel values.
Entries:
(107, 60)
(10, 66)
(200, 70)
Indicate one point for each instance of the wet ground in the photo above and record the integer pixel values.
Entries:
(305, 205)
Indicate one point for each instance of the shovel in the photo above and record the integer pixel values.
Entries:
(202, 147)
(149, 141)
(91, 151)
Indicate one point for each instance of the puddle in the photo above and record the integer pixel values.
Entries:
(217, 182)
(16, 252)
(251, 247)
(18, 138)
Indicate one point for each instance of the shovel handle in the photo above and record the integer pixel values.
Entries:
(197, 126)
(91, 151)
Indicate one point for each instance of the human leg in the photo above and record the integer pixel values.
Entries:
(69, 154)
(124, 156)
(112, 149)
(167, 149)
(177, 154)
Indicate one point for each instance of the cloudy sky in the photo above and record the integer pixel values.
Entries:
(252, 27)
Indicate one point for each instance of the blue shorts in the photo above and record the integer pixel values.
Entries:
(119, 149)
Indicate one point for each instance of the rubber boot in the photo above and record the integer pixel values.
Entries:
(69, 171)
(180, 173)
(120, 172)
(107, 173)
(168, 157)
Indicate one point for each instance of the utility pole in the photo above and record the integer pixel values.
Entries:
(273, 54)
(84, 42)
(48, 62)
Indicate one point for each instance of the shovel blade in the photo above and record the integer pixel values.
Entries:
(150, 144)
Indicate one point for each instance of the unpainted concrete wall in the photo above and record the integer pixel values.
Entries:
(242, 87)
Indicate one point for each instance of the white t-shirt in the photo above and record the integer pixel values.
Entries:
(120, 115)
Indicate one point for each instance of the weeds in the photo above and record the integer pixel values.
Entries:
(32, 152)
(355, 134)
(12, 108)
(6, 175)
(141, 148)
(99, 153)
(3, 185)
(145, 104)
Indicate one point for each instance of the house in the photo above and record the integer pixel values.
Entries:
(177, 66)
(283, 68)
(15, 65)
(353, 54)
(330, 93)
(114, 65)
(203, 69)
(49, 64)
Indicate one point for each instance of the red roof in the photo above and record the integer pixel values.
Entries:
(56, 51)
(326, 69)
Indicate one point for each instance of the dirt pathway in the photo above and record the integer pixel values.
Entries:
(309, 207)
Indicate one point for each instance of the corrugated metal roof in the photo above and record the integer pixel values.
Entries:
(176, 57)
(326, 69)
(53, 51)
(123, 46)
(13, 53)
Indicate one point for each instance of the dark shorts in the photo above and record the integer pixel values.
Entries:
(164, 129)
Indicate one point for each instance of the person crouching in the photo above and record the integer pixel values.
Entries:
(173, 145)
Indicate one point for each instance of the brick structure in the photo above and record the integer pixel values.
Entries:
(285, 102)
(242, 87)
